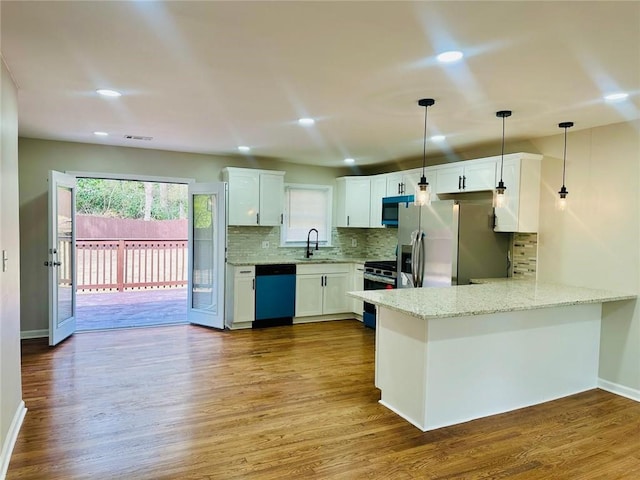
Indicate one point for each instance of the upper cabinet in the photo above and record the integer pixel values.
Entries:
(521, 176)
(354, 200)
(405, 182)
(467, 176)
(378, 192)
(256, 197)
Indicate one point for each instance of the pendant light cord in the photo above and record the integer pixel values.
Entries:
(502, 153)
(424, 142)
(564, 156)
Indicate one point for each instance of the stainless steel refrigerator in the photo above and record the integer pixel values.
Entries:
(449, 242)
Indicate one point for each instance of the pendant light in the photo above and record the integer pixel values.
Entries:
(423, 192)
(500, 199)
(562, 200)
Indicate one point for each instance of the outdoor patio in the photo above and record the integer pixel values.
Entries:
(131, 308)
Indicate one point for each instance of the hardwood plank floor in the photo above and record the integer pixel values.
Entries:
(184, 402)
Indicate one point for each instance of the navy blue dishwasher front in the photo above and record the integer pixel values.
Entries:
(275, 294)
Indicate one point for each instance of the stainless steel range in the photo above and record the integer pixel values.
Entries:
(378, 275)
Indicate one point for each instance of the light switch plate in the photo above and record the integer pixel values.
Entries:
(265, 244)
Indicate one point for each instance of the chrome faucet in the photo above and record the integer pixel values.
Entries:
(309, 252)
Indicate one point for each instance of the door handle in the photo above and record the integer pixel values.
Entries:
(459, 182)
(282, 219)
(253, 284)
(464, 182)
(258, 218)
(347, 220)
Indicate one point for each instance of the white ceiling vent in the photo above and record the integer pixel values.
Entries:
(137, 137)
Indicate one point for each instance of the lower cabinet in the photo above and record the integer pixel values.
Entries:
(240, 300)
(321, 289)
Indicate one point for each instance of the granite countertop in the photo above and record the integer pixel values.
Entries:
(297, 261)
(493, 297)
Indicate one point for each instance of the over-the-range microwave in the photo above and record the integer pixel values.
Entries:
(390, 206)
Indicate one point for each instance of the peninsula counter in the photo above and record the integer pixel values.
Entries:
(454, 354)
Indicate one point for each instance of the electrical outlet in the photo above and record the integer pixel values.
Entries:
(265, 244)
(354, 242)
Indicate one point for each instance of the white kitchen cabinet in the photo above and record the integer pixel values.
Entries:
(521, 176)
(240, 299)
(255, 197)
(467, 176)
(378, 192)
(321, 289)
(395, 186)
(357, 284)
(353, 201)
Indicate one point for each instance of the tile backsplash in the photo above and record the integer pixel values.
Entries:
(525, 254)
(245, 244)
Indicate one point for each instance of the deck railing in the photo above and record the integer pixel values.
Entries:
(130, 264)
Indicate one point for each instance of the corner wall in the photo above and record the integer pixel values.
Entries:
(595, 243)
(11, 406)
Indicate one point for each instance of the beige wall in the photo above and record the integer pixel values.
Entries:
(596, 242)
(10, 381)
(37, 157)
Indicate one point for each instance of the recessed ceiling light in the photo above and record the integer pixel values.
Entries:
(438, 138)
(306, 121)
(349, 161)
(101, 134)
(616, 97)
(449, 57)
(244, 148)
(108, 93)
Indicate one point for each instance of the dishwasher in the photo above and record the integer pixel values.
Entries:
(275, 295)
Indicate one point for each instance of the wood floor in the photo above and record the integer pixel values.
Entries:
(296, 402)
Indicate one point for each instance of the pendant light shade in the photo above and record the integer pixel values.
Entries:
(423, 192)
(501, 194)
(562, 199)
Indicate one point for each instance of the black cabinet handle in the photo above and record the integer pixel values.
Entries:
(459, 182)
(257, 218)
(464, 182)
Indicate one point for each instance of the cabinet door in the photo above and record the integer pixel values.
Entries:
(480, 175)
(309, 295)
(244, 299)
(449, 179)
(244, 197)
(335, 293)
(271, 198)
(358, 285)
(394, 184)
(378, 192)
(358, 193)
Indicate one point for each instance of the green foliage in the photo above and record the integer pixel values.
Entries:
(126, 199)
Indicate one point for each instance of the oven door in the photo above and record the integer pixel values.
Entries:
(373, 282)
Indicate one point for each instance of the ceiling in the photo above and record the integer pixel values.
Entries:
(209, 76)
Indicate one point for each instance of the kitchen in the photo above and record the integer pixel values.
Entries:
(593, 244)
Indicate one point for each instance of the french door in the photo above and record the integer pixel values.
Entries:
(207, 251)
(61, 262)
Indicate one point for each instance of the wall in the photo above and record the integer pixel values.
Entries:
(11, 406)
(595, 243)
(37, 157)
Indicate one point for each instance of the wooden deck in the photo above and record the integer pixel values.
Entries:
(131, 308)
(296, 402)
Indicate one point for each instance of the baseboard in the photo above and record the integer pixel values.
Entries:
(323, 318)
(26, 334)
(618, 389)
(10, 441)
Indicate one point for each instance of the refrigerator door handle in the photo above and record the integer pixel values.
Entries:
(414, 258)
(421, 259)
